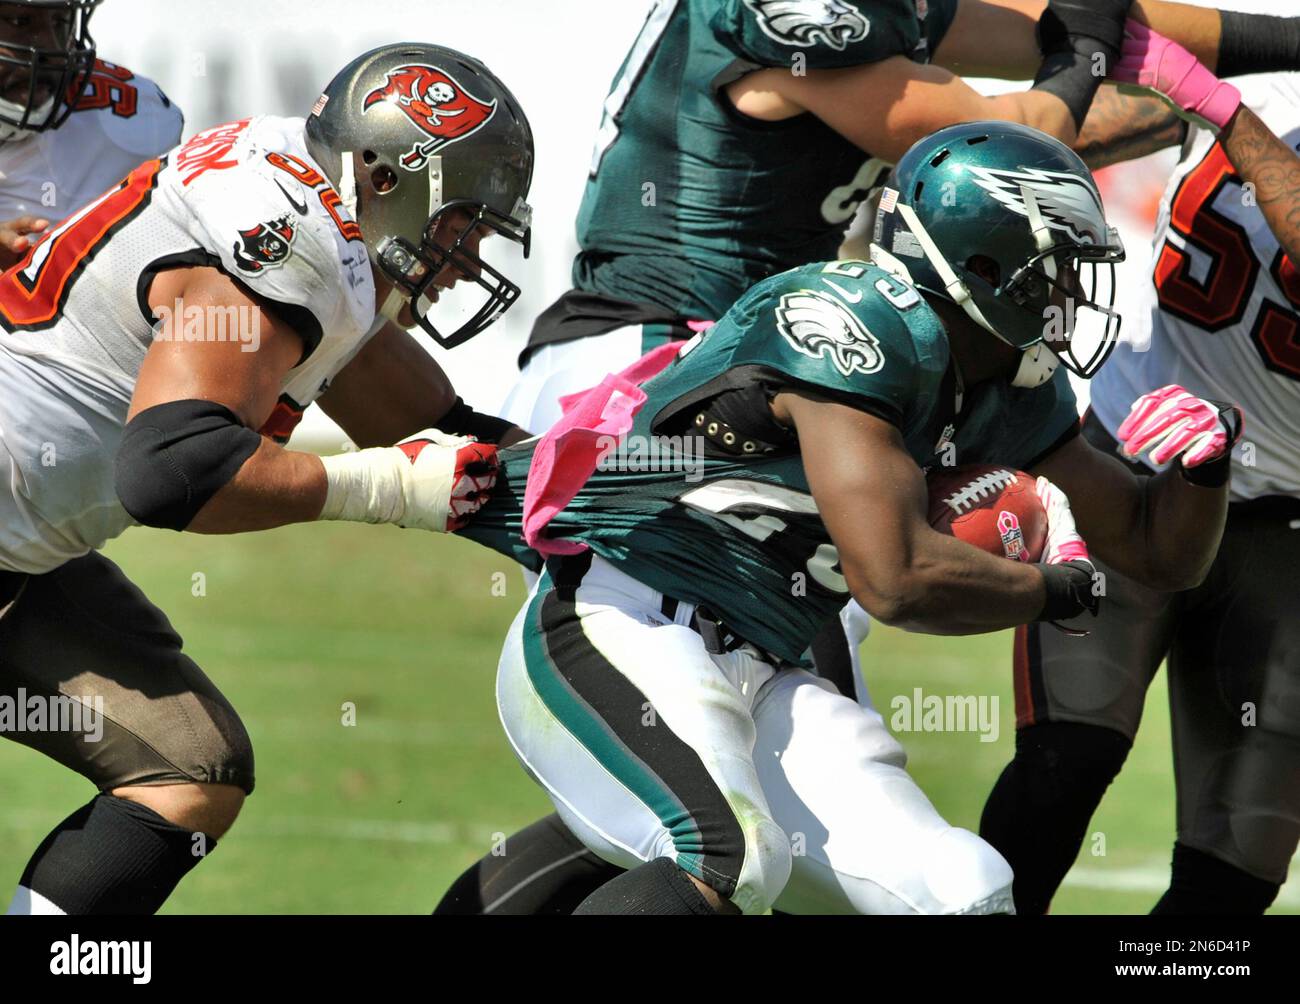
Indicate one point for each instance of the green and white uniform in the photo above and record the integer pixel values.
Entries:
(689, 203)
(886, 354)
(746, 745)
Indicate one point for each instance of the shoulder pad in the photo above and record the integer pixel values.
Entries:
(246, 220)
(848, 328)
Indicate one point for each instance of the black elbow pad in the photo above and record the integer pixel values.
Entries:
(174, 457)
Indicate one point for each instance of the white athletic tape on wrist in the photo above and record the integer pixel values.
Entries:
(366, 486)
(384, 485)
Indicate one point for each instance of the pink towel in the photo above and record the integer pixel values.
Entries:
(567, 455)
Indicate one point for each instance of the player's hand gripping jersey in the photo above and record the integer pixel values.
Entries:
(735, 528)
(243, 197)
(690, 203)
(120, 119)
(1223, 314)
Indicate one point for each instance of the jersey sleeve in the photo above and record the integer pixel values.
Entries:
(827, 33)
(872, 356)
(244, 221)
(1042, 420)
(938, 21)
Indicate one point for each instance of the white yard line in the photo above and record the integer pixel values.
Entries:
(1152, 878)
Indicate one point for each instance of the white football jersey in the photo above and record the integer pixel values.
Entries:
(1222, 317)
(75, 324)
(120, 120)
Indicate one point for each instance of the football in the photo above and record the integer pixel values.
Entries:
(994, 508)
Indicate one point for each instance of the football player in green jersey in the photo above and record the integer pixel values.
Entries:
(734, 145)
(740, 137)
(653, 684)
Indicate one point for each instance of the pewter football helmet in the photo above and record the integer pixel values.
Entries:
(410, 134)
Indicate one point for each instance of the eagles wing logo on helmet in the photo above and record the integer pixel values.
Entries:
(808, 22)
(1067, 201)
(818, 325)
(436, 104)
(264, 246)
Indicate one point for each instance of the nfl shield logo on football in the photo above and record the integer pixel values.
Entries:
(1013, 540)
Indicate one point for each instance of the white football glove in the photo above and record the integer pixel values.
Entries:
(430, 481)
(1063, 540)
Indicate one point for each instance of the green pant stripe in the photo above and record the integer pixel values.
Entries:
(597, 737)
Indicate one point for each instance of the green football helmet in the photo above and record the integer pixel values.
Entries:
(1007, 223)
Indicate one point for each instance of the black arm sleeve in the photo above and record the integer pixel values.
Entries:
(1257, 43)
(1080, 42)
(174, 457)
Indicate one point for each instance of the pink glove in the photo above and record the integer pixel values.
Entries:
(1170, 421)
(1155, 63)
(1063, 540)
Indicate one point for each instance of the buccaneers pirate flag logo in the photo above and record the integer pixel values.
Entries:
(264, 246)
(436, 104)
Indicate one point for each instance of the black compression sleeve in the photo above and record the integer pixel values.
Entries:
(1257, 43)
(1080, 43)
(1069, 76)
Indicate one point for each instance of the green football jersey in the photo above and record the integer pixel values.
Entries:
(741, 534)
(689, 203)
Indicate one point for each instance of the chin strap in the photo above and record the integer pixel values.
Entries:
(40, 113)
(953, 287)
(1038, 227)
(348, 184)
(1037, 364)
(894, 266)
(393, 304)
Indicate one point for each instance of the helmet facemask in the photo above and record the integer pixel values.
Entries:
(1076, 272)
(40, 85)
(1080, 324)
(1039, 307)
(413, 268)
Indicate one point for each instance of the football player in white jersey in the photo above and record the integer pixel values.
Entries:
(156, 349)
(71, 125)
(1223, 320)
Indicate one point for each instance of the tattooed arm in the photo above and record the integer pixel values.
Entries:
(1125, 127)
(1158, 66)
(1268, 163)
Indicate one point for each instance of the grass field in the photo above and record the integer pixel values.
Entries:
(379, 817)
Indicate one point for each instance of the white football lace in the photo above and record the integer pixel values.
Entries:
(975, 491)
